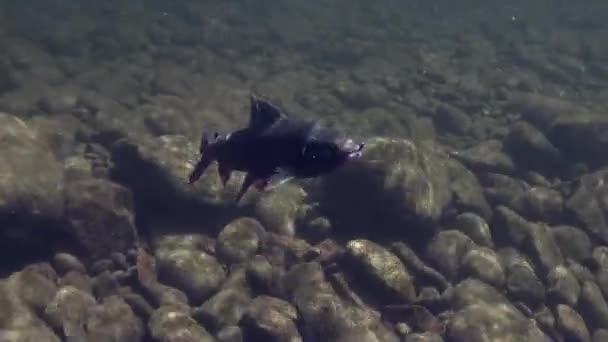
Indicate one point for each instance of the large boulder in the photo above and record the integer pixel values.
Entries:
(101, 216)
(398, 184)
(32, 176)
(157, 169)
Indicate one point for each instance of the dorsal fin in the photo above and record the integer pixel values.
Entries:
(263, 113)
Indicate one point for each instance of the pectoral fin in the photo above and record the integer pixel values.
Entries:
(279, 177)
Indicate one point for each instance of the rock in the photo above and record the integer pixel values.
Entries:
(571, 324)
(423, 337)
(475, 227)
(537, 203)
(321, 312)
(468, 194)
(600, 335)
(224, 309)
(545, 320)
(523, 284)
(193, 271)
(601, 277)
(68, 311)
(563, 287)
(161, 295)
(531, 149)
(24, 189)
(35, 285)
(492, 322)
(120, 260)
(270, 319)
(139, 304)
(452, 119)
(573, 242)
(64, 263)
(487, 156)
(78, 280)
(113, 320)
(382, 268)
(105, 284)
(100, 216)
(511, 227)
(260, 274)
(542, 248)
(581, 272)
(482, 263)
(277, 210)
(170, 323)
(165, 161)
(239, 240)
(541, 204)
(413, 263)
(542, 110)
(581, 137)
(446, 250)
(473, 291)
(230, 334)
(589, 203)
(17, 320)
(411, 181)
(593, 306)
(600, 255)
(101, 266)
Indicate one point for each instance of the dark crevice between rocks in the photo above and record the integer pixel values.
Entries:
(25, 241)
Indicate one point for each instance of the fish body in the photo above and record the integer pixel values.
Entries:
(274, 148)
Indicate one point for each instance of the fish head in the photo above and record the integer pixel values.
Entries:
(328, 150)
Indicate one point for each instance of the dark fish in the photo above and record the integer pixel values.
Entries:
(274, 149)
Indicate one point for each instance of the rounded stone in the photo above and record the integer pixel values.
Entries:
(239, 240)
(382, 267)
(482, 263)
(571, 324)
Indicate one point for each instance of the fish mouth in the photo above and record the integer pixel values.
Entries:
(352, 149)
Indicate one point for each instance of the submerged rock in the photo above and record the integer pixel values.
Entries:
(573, 242)
(165, 161)
(571, 324)
(32, 182)
(487, 156)
(382, 268)
(531, 149)
(446, 250)
(589, 203)
(411, 182)
(170, 323)
(593, 306)
(496, 322)
(278, 210)
(189, 269)
(225, 308)
(239, 240)
(270, 319)
(563, 287)
(483, 263)
(100, 215)
(475, 227)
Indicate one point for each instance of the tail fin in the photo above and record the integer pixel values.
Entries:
(206, 156)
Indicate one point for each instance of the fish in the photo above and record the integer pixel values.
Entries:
(274, 148)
